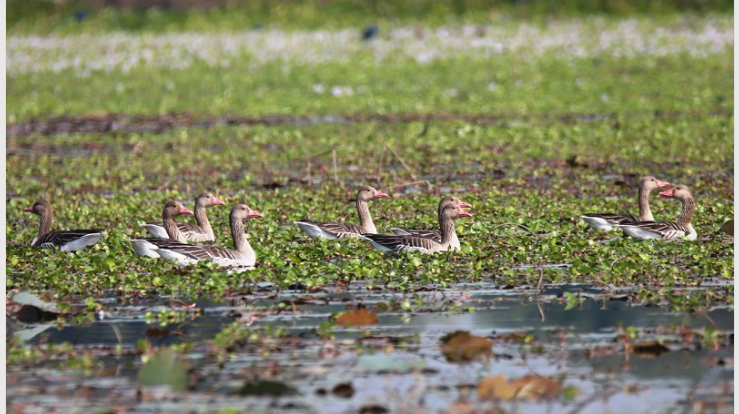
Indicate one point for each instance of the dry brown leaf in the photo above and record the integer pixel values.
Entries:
(526, 387)
(513, 337)
(460, 346)
(495, 388)
(357, 318)
(536, 386)
(344, 390)
(157, 333)
(647, 349)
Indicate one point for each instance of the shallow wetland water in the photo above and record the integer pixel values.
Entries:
(397, 364)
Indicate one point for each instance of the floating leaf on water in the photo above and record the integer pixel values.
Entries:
(536, 386)
(526, 387)
(164, 368)
(25, 298)
(157, 333)
(648, 349)
(357, 318)
(495, 388)
(373, 409)
(572, 300)
(513, 337)
(32, 314)
(268, 388)
(25, 334)
(344, 389)
(460, 346)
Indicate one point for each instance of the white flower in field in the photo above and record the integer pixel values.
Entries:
(583, 38)
(339, 91)
(318, 88)
(492, 86)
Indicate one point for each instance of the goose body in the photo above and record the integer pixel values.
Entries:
(242, 255)
(435, 235)
(65, 240)
(150, 246)
(667, 230)
(397, 243)
(333, 231)
(198, 233)
(608, 221)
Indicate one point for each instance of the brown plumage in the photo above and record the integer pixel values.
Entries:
(435, 234)
(606, 221)
(242, 255)
(67, 240)
(667, 230)
(342, 230)
(198, 233)
(395, 243)
(150, 246)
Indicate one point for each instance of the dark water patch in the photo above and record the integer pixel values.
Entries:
(122, 123)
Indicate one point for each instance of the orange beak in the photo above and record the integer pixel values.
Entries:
(254, 214)
(463, 213)
(668, 193)
(661, 184)
(218, 202)
(379, 194)
(463, 204)
(185, 210)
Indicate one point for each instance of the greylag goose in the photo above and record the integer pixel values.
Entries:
(333, 231)
(242, 255)
(606, 221)
(434, 234)
(396, 243)
(67, 240)
(150, 246)
(198, 233)
(666, 230)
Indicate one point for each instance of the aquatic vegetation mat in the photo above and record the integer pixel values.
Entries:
(532, 125)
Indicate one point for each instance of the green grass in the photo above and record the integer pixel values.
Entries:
(550, 87)
(41, 16)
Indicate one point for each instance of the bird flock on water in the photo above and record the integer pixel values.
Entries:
(186, 243)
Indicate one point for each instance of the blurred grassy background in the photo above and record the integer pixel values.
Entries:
(46, 16)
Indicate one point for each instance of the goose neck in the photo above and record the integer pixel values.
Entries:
(687, 212)
(365, 218)
(645, 213)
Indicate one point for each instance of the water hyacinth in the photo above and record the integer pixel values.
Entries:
(86, 53)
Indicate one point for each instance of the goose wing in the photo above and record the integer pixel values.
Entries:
(395, 243)
(667, 230)
(61, 238)
(338, 230)
(191, 232)
(427, 234)
(614, 218)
